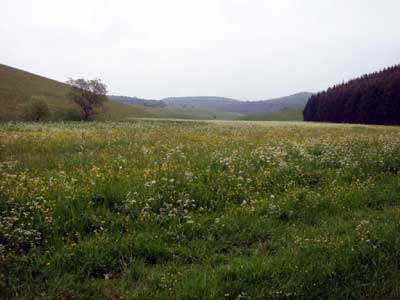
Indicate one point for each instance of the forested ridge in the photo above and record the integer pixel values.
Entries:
(371, 99)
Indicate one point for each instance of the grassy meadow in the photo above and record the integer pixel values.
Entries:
(282, 115)
(183, 210)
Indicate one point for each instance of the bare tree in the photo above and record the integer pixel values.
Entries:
(90, 95)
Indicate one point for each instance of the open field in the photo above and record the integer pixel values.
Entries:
(283, 115)
(199, 210)
(194, 114)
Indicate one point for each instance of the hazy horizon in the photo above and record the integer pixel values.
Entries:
(159, 49)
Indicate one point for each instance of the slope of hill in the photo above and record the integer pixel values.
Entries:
(283, 115)
(161, 109)
(17, 86)
(137, 101)
(370, 99)
(203, 102)
(296, 101)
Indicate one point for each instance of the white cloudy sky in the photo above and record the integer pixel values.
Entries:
(247, 49)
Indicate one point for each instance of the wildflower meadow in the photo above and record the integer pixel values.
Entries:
(184, 210)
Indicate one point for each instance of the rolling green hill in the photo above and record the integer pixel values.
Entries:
(17, 86)
(283, 115)
(292, 102)
(162, 110)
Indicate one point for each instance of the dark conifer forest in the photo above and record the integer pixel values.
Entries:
(370, 99)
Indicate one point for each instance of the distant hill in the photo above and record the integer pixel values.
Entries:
(292, 102)
(162, 110)
(370, 99)
(210, 107)
(138, 101)
(282, 115)
(296, 101)
(17, 86)
(203, 102)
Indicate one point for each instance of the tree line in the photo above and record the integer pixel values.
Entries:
(371, 99)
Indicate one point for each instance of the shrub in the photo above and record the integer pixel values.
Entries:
(37, 110)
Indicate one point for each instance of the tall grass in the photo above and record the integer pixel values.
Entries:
(199, 210)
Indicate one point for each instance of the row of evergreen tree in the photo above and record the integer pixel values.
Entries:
(370, 99)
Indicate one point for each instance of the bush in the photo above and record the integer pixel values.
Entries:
(37, 110)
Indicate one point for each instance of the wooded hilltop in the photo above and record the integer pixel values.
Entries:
(370, 99)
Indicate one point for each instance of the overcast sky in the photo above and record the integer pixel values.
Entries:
(254, 49)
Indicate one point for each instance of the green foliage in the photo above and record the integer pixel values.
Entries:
(89, 95)
(370, 99)
(37, 110)
(199, 210)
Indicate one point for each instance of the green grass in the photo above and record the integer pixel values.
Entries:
(284, 115)
(156, 209)
(17, 86)
(194, 114)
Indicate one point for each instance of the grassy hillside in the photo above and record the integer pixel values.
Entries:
(284, 115)
(202, 102)
(296, 101)
(199, 210)
(17, 86)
